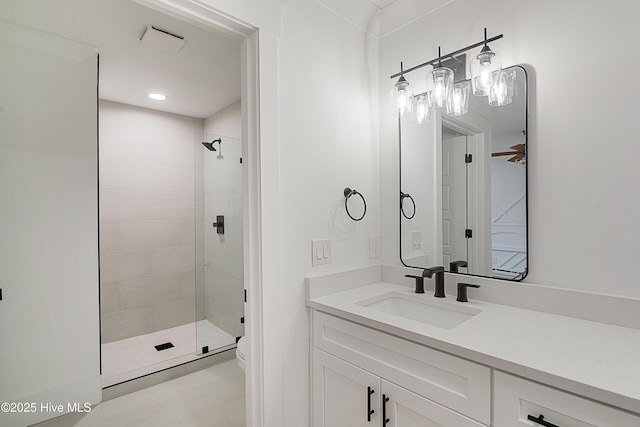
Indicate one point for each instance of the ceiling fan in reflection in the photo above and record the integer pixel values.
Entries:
(518, 154)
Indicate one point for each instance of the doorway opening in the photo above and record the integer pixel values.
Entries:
(167, 274)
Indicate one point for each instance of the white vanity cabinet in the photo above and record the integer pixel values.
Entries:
(519, 402)
(345, 395)
(587, 378)
(357, 369)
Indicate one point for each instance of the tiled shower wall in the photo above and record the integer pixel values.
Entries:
(147, 230)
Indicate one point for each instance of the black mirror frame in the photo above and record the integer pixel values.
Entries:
(526, 271)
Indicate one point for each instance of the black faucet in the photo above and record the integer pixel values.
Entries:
(455, 265)
(462, 291)
(439, 272)
(419, 283)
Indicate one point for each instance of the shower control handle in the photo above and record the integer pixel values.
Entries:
(219, 224)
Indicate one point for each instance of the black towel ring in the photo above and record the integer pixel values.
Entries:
(348, 193)
(407, 196)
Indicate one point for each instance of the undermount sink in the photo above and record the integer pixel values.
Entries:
(421, 309)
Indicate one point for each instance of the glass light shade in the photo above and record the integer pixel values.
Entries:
(483, 67)
(422, 108)
(458, 103)
(439, 82)
(402, 96)
(502, 88)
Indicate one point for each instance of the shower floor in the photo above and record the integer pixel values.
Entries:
(137, 356)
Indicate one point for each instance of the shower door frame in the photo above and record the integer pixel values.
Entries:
(257, 26)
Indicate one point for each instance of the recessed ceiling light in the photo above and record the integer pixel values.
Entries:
(157, 96)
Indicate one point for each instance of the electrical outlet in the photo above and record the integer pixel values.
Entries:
(320, 251)
(374, 246)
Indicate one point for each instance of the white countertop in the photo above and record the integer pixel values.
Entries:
(591, 359)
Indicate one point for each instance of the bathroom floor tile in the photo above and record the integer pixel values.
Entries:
(211, 397)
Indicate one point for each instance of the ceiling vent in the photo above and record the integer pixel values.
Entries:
(162, 40)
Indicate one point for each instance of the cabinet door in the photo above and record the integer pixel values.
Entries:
(407, 409)
(343, 394)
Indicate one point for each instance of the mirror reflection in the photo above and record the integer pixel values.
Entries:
(463, 187)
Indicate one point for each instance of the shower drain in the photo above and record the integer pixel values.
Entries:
(164, 346)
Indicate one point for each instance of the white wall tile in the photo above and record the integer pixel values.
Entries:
(109, 235)
(147, 176)
(225, 261)
(165, 289)
(109, 298)
(109, 173)
(167, 204)
(147, 135)
(146, 234)
(133, 293)
(126, 323)
(226, 122)
(188, 231)
(188, 285)
(173, 313)
(147, 215)
(172, 260)
(123, 265)
(116, 205)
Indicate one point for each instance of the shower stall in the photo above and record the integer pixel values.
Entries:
(171, 278)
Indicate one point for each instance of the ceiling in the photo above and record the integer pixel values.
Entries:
(382, 17)
(199, 80)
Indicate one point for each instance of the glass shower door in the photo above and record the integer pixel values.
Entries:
(219, 236)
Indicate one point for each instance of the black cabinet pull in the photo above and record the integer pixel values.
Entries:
(540, 420)
(385, 420)
(370, 411)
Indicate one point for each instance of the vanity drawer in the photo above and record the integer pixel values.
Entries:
(448, 380)
(516, 398)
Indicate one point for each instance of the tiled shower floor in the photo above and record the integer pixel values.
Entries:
(136, 356)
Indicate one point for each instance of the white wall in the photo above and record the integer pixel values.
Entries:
(147, 226)
(582, 139)
(328, 141)
(49, 326)
(226, 122)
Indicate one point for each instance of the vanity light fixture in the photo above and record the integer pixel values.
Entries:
(486, 70)
(484, 67)
(403, 98)
(458, 102)
(157, 96)
(439, 82)
(502, 88)
(422, 108)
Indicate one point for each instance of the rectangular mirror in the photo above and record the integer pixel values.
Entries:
(463, 188)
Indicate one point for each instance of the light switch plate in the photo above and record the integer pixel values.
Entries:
(320, 251)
